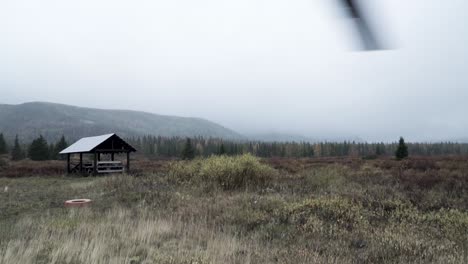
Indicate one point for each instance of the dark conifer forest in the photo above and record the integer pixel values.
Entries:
(176, 147)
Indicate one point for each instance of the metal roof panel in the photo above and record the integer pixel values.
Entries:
(86, 144)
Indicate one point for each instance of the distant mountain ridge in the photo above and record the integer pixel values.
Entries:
(51, 120)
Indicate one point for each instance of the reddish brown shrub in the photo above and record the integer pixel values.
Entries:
(422, 164)
(28, 168)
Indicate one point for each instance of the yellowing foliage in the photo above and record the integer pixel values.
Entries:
(227, 172)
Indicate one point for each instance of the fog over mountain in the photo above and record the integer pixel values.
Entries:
(50, 120)
(257, 67)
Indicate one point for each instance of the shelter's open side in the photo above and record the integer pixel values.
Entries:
(96, 147)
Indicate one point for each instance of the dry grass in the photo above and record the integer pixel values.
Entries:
(330, 211)
(120, 236)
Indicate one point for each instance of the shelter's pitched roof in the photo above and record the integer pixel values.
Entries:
(88, 144)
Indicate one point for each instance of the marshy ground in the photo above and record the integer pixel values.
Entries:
(239, 210)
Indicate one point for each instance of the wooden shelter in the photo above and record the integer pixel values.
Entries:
(109, 144)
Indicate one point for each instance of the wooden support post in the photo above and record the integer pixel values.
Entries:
(95, 163)
(112, 155)
(68, 163)
(81, 162)
(99, 156)
(128, 161)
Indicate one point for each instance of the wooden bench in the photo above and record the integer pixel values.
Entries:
(109, 166)
(102, 167)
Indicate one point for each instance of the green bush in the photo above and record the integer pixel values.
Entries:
(227, 172)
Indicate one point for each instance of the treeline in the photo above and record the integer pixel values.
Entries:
(165, 147)
(38, 149)
(179, 147)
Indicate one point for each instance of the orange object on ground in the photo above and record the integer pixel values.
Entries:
(77, 203)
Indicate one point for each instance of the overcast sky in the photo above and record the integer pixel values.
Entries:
(251, 65)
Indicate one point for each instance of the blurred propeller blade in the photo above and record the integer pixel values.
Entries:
(368, 38)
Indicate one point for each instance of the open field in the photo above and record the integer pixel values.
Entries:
(239, 210)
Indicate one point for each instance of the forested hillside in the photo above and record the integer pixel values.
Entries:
(50, 120)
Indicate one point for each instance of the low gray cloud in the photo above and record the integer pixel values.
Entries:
(251, 65)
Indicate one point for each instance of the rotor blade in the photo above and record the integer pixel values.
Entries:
(367, 37)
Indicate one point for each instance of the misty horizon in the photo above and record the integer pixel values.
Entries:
(270, 135)
(254, 67)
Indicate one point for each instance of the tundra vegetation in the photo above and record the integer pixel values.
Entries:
(239, 209)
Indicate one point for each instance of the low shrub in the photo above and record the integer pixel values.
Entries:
(336, 211)
(422, 164)
(29, 168)
(322, 178)
(227, 172)
(370, 157)
(3, 163)
(289, 165)
(387, 164)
